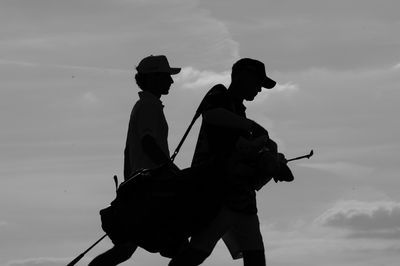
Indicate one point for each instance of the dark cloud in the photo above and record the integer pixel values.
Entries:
(365, 220)
(375, 219)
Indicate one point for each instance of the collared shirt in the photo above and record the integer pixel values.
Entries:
(147, 118)
(217, 143)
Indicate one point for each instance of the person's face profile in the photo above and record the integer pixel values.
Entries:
(160, 82)
(251, 84)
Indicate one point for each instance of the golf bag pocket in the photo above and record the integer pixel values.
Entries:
(113, 224)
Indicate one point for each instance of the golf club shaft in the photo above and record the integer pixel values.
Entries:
(86, 251)
(301, 157)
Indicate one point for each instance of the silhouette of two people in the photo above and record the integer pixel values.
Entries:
(213, 199)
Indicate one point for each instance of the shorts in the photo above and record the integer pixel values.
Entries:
(244, 235)
(240, 232)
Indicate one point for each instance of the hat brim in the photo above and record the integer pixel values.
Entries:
(268, 83)
(174, 70)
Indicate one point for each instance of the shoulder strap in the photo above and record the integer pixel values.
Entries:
(184, 136)
(199, 110)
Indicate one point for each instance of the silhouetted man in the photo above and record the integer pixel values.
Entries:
(224, 122)
(146, 143)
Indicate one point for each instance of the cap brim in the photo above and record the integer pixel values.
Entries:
(174, 70)
(268, 83)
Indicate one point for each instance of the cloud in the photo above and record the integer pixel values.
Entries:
(280, 89)
(310, 33)
(380, 219)
(304, 243)
(343, 169)
(45, 66)
(336, 111)
(17, 63)
(188, 33)
(287, 87)
(192, 78)
(89, 98)
(330, 241)
(38, 262)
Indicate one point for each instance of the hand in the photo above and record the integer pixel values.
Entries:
(272, 146)
(280, 158)
(284, 174)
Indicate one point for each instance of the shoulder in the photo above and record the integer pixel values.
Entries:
(217, 96)
(137, 107)
(212, 98)
(217, 93)
(218, 89)
(142, 110)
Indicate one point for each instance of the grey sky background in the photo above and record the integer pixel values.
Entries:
(67, 88)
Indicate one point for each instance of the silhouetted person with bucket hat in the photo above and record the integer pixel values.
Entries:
(224, 123)
(146, 143)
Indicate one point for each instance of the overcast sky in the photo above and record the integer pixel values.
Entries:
(67, 89)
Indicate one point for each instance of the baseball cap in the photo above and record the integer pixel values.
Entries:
(256, 67)
(156, 63)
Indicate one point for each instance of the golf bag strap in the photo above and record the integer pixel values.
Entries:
(197, 114)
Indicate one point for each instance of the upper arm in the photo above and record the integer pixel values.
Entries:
(146, 120)
(225, 118)
(217, 111)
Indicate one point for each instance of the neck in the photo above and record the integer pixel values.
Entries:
(155, 93)
(234, 91)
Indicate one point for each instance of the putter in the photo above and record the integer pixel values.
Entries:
(301, 157)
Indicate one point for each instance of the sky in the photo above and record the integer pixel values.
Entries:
(67, 88)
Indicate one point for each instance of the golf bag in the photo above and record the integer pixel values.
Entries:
(159, 209)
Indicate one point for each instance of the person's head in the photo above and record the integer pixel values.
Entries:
(249, 77)
(154, 74)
